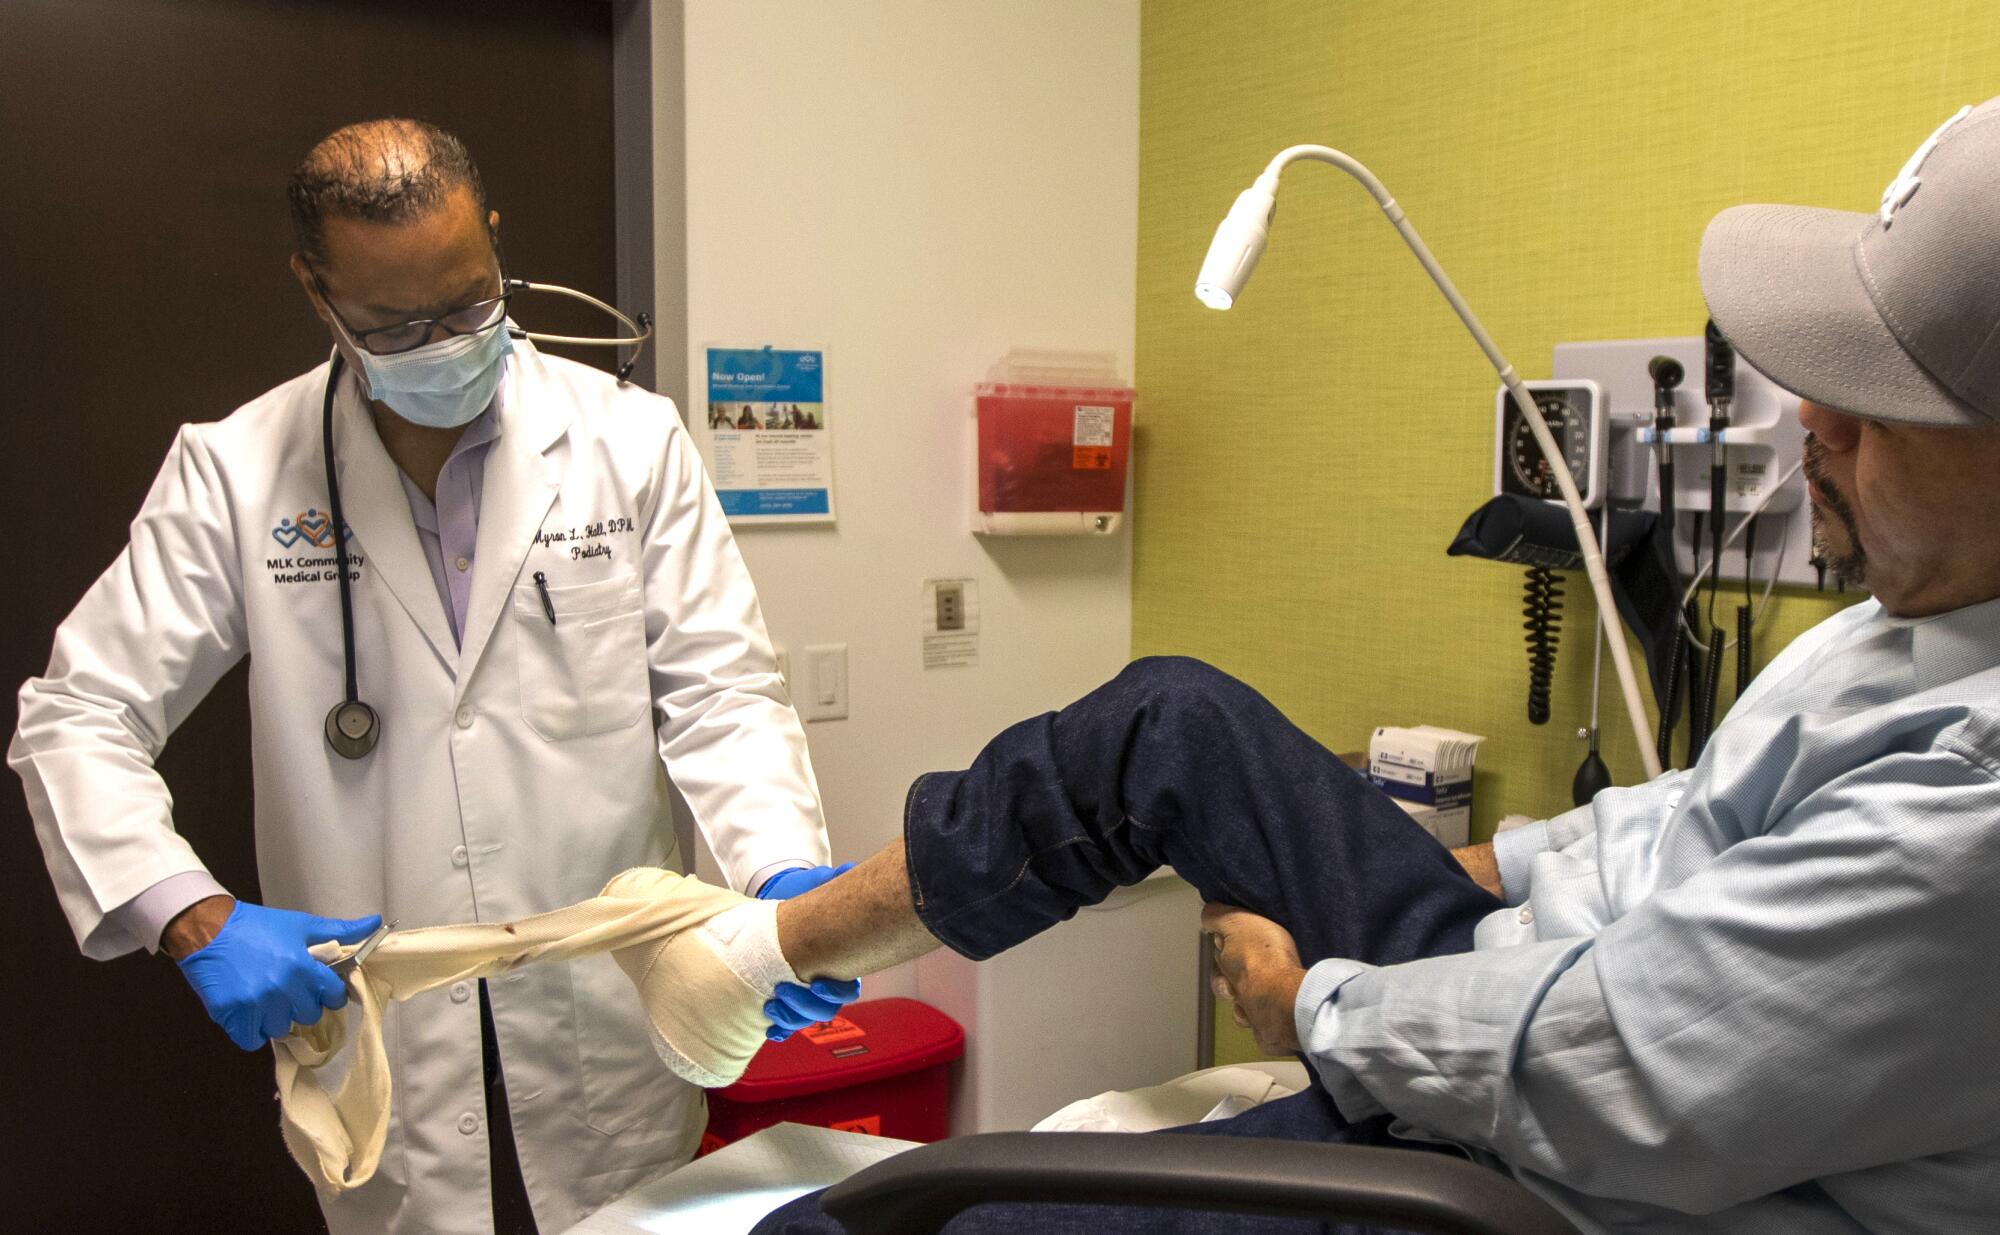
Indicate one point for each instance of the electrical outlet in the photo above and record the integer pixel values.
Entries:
(951, 606)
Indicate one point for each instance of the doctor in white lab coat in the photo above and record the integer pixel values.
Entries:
(523, 758)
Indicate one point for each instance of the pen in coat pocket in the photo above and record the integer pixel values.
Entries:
(548, 606)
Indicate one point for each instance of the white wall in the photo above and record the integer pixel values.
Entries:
(916, 187)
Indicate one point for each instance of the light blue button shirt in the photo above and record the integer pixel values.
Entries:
(1762, 995)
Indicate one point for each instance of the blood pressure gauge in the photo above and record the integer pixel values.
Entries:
(1575, 412)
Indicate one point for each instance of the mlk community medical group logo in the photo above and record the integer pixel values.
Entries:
(309, 529)
(310, 526)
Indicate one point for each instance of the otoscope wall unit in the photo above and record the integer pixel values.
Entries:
(1760, 446)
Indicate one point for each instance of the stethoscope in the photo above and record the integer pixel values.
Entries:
(352, 727)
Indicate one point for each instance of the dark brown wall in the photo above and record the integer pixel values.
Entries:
(143, 236)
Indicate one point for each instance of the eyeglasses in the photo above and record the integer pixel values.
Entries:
(476, 318)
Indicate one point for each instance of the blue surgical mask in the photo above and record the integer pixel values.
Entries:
(441, 385)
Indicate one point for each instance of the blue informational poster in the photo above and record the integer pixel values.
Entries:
(768, 445)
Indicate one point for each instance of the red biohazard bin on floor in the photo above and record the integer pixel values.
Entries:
(879, 1068)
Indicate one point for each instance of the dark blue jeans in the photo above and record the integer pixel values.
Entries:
(1174, 763)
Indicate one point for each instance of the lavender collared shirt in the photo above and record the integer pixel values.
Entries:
(448, 528)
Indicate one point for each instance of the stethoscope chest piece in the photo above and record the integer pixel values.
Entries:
(351, 728)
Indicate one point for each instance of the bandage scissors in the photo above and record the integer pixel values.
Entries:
(346, 964)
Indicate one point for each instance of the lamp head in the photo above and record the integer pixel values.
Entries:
(1238, 243)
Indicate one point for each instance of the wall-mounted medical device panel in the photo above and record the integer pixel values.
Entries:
(1760, 446)
(1575, 413)
(1054, 438)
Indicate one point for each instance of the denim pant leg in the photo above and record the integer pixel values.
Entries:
(1175, 763)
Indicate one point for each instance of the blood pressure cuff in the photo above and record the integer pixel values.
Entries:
(1645, 583)
(683, 943)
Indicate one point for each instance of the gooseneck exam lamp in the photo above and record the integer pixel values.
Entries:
(1233, 254)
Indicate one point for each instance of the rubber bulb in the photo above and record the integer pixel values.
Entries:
(1592, 777)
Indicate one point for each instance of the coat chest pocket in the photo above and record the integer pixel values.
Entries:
(585, 673)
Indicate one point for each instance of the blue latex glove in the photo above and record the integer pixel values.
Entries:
(793, 1007)
(255, 977)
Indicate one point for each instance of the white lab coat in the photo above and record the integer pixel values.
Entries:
(514, 775)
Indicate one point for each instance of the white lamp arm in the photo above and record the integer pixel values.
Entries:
(1586, 536)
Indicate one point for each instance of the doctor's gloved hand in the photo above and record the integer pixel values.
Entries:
(792, 1007)
(256, 978)
(786, 884)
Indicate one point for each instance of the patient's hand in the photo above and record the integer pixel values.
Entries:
(1257, 969)
(1480, 863)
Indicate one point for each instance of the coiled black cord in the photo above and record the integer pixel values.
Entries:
(1744, 672)
(1711, 685)
(1541, 609)
(1670, 709)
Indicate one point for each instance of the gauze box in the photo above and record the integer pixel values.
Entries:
(1428, 771)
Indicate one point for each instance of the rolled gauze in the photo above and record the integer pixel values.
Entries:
(705, 1004)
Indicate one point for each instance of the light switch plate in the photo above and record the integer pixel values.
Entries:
(821, 691)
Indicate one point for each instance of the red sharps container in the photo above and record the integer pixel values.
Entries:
(880, 1068)
(1055, 433)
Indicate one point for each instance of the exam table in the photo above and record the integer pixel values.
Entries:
(1108, 1150)
(916, 1192)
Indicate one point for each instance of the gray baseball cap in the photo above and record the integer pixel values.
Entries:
(1890, 315)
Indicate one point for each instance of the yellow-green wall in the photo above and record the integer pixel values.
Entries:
(1305, 458)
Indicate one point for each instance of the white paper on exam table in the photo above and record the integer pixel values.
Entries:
(1198, 1097)
(731, 1190)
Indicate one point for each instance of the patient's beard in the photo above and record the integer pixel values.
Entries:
(1851, 561)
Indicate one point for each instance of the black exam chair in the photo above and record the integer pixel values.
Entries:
(917, 1192)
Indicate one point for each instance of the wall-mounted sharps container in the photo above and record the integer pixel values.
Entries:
(1055, 433)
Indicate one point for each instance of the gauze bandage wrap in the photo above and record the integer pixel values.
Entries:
(703, 990)
(746, 938)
